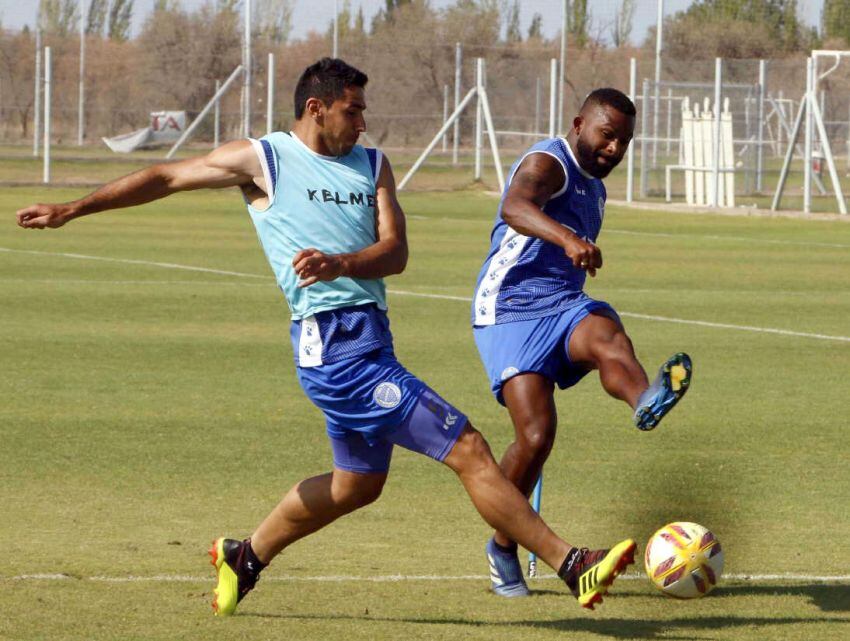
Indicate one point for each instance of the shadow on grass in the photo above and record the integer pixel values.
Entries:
(617, 628)
(833, 597)
(829, 598)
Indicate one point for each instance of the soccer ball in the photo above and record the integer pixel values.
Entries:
(684, 560)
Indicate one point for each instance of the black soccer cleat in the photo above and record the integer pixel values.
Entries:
(589, 573)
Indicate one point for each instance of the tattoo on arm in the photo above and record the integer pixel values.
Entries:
(538, 177)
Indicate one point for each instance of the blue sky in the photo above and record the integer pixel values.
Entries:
(315, 14)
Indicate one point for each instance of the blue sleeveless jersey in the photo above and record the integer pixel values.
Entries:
(525, 277)
(327, 203)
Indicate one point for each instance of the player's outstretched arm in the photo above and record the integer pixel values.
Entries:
(388, 255)
(536, 179)
(230, 165)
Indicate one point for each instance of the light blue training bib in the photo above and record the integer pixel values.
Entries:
(323, 202)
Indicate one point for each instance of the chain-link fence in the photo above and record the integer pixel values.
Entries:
(177, 60)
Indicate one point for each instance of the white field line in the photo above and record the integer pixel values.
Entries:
(391, 578)
(665, 319)
(100, 281)
(650, 234)
(465, 299)
(236, 283)
(743, 239)
(130, 261)
(748, 328)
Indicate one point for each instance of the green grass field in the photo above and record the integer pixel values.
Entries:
(93, 164)
(146, 409)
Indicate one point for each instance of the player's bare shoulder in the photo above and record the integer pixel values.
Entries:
(538, 176)
(385, 178)
(240, 157)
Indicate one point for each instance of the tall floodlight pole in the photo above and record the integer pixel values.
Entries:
(537, 95)
(336, 29)
(479, 116)
(553, 96)
(760, 127)
(445, 114)
(644, 134)
(217, 116)
(659, 21)
(630, 159)
(715, 152)
(81, 104)
(246, 79)
(270, 95)
(562, 85)
(456, 132)
(48, 81)
(36, 127)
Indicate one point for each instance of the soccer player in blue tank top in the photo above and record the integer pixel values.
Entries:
(327, 217)
(533, 324)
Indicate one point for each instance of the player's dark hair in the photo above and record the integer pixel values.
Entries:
(326, 80)
(608, 97)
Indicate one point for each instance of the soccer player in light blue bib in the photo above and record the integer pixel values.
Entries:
(327, 217)
(534, 325)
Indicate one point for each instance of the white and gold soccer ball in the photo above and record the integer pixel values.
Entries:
(684, 560)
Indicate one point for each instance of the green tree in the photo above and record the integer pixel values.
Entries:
(274, 19)
(835, 20)
(360, 22)
(535, 29)
(58, 17)
(390, 7)
(228, 6)
(513, 32)
(174, 70)
(166, 5)
(472, 22)
(96, 19)
(734, 29)
(578, 24)
(120, 15)
(621, 30)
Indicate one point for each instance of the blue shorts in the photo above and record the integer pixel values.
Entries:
(371, 402)
(539, 345)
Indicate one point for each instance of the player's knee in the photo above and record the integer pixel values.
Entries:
(359, 492)
(477, 447)
(536, 437)
(470, 453)
(615, 347)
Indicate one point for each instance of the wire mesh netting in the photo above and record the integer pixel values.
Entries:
(177, 59)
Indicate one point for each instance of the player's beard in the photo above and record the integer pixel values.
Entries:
(587, 158)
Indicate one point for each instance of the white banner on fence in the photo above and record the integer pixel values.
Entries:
(165, 128)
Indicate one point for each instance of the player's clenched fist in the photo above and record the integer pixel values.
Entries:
(584, 254)
(41, 216)
(311, 266)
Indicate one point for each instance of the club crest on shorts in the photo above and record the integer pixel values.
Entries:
(508, 372)
(387, 394)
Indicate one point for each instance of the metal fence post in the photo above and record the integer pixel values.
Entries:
(456, 130)
(36, 126)
(644, 132)
(760, 130)
(630, 159)
(48, 81)
(715, 152)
